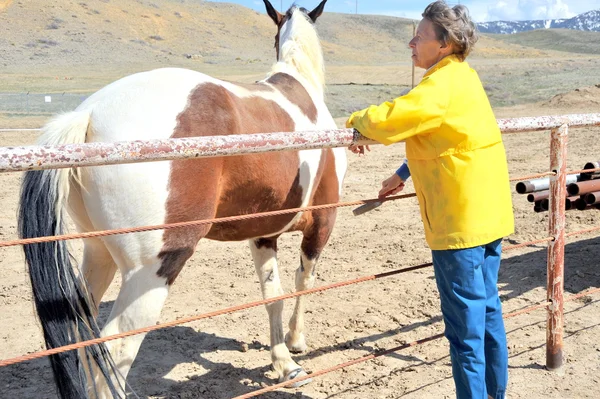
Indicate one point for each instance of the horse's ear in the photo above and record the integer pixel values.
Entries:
(273, 13)
(316, 13)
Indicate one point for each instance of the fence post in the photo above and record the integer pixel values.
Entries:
(556, 248)
(412, 84)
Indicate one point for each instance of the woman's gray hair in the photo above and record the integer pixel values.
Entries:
(453, 25)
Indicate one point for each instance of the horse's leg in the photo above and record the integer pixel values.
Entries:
(316, 235)
(138, 305)
(143, 292)
(98, 268)
(264, 252)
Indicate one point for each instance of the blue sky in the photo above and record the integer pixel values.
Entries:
(481, 10)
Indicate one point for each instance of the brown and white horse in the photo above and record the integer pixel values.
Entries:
(177, 103)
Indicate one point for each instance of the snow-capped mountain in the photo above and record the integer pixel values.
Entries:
(589, 21)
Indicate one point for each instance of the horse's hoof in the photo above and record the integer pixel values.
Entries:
(296, 374)
(295, 347)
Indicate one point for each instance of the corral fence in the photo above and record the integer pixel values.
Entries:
(30, 103)
(95, 154)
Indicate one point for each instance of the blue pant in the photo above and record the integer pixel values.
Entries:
(466, 280)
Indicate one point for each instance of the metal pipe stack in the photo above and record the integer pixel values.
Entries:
(583, 190)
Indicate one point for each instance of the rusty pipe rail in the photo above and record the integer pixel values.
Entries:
(583, 187)
(536, 124)
(24, 158)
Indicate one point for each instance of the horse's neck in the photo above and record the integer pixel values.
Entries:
(313, 84)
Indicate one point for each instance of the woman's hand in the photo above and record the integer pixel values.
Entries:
(359, 149)
(390, 186)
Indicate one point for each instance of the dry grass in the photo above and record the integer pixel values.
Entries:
(566, 40)
(62, 37)
(77, 47)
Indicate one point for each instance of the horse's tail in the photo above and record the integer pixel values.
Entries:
(61, 299)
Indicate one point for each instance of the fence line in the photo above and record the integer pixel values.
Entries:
(227, 219)
(83, 344)
(20, 130)
(393, 350)
(79, 345)
(94, 154)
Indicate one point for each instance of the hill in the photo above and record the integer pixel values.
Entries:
(556, 39)
(72, 48)
(56, 35)
(588, 21)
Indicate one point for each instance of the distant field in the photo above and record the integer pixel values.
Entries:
(508, 82)
(556, 39)
(70, 50)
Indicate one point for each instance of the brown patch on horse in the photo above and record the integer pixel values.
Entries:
(320, 223)
(316, 226)
(269, 243)
(207, 188)
(257, 87)
(295, 93)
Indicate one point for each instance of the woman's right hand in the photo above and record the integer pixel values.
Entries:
(359, 149)
(390, 186)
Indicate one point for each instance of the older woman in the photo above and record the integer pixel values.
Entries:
(458, 163)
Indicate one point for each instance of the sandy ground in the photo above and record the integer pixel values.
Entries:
(208, 359)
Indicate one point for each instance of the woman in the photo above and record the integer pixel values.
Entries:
(458, 163)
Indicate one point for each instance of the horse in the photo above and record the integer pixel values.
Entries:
(176, 103)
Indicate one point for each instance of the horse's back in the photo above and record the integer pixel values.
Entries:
(142, 106)
(179, 103)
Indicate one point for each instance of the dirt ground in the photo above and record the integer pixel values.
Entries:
(209, 359)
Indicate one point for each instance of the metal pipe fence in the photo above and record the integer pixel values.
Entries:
(95, 154)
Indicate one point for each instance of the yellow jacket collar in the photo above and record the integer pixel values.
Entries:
(452, 58)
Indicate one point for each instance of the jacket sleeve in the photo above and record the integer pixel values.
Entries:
(420, 111)
(403, 171)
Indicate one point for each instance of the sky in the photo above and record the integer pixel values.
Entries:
(481, 10)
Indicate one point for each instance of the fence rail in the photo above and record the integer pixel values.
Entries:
(23, 158)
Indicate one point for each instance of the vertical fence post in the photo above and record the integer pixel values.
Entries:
(412, 84)
(556, 248)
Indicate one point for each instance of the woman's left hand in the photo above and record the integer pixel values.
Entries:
(390, 186)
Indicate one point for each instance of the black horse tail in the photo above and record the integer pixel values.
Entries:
(61, 298)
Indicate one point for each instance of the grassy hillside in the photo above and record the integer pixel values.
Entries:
(556, 39)
(73, 47)
(54, 35)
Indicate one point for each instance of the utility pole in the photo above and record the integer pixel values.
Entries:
(413, 62)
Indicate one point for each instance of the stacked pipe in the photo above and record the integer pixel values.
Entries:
(583, 190)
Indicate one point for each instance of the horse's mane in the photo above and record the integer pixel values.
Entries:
(301, 49)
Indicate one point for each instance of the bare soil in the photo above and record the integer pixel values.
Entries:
(228, 356)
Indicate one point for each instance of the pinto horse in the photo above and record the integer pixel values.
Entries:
(178, 103)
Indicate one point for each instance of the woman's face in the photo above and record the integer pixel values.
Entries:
(427, 50)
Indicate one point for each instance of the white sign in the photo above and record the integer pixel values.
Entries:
(48, 99)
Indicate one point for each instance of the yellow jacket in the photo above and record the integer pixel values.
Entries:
(455, 154)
